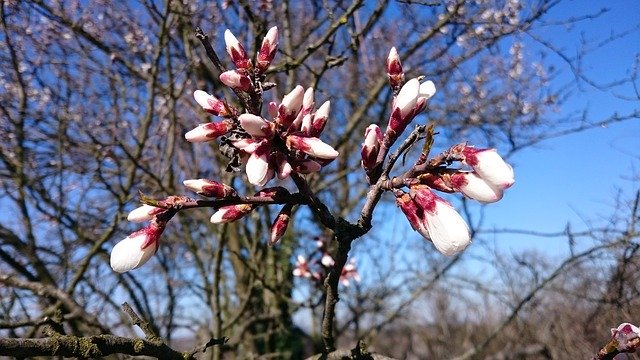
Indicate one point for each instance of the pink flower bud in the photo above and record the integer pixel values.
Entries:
(404, 108)
(236, 80)
(236, 51)
(267, 50)
(272, 109)
(394, 69)
(230, 213)
(490, 166)
(320, 119)
(144, 213)
(210, 188)
(258, 171)
(136, 249)
(445, 227)
(312, 146)
(255, 125)
(305, 126)
(474, 187)
(290, 106)
(211, 104)
(307, 101)
(371, 146)
(209, 131)
(280, 224)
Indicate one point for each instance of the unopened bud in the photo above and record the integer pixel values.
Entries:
(280, 224)
(210, 188)
(236, 80)
(267, 50)
(236, 51)
(209, 131)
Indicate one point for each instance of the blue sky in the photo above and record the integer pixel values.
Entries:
(574, 178)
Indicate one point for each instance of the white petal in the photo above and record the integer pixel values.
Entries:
(128, 255)
(142, 213)
(254, 125)
(257, 169)
(201, 98)
(478, 189)
(493, 169)
(447, 229)
(427, 89)
(408, 96)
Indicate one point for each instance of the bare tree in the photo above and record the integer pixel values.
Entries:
(96, 99)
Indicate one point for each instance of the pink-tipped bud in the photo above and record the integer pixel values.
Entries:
(290, 106)
(280, 224)
(211, 104)
(404, 108)
(371, 146)
(136, 249)
(474, 187)
(312, 146)
(210, 188)
(209, 131)
(445, 227)
(490, 166)
(320, 119)
(236, 80)
(144, 213)
(255, 125)
(236, 51)
(272, 109)
(230, 213)
(267, 50)
(305, 126)
(394, 69)
(258, 170)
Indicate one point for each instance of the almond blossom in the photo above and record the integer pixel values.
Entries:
(136, 249)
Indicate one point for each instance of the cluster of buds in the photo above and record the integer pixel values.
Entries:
(485, 179)
(286, 143)
(319, 262)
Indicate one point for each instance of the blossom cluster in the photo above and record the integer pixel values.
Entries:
(316, 266)
(484, 179)
(287, 142)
